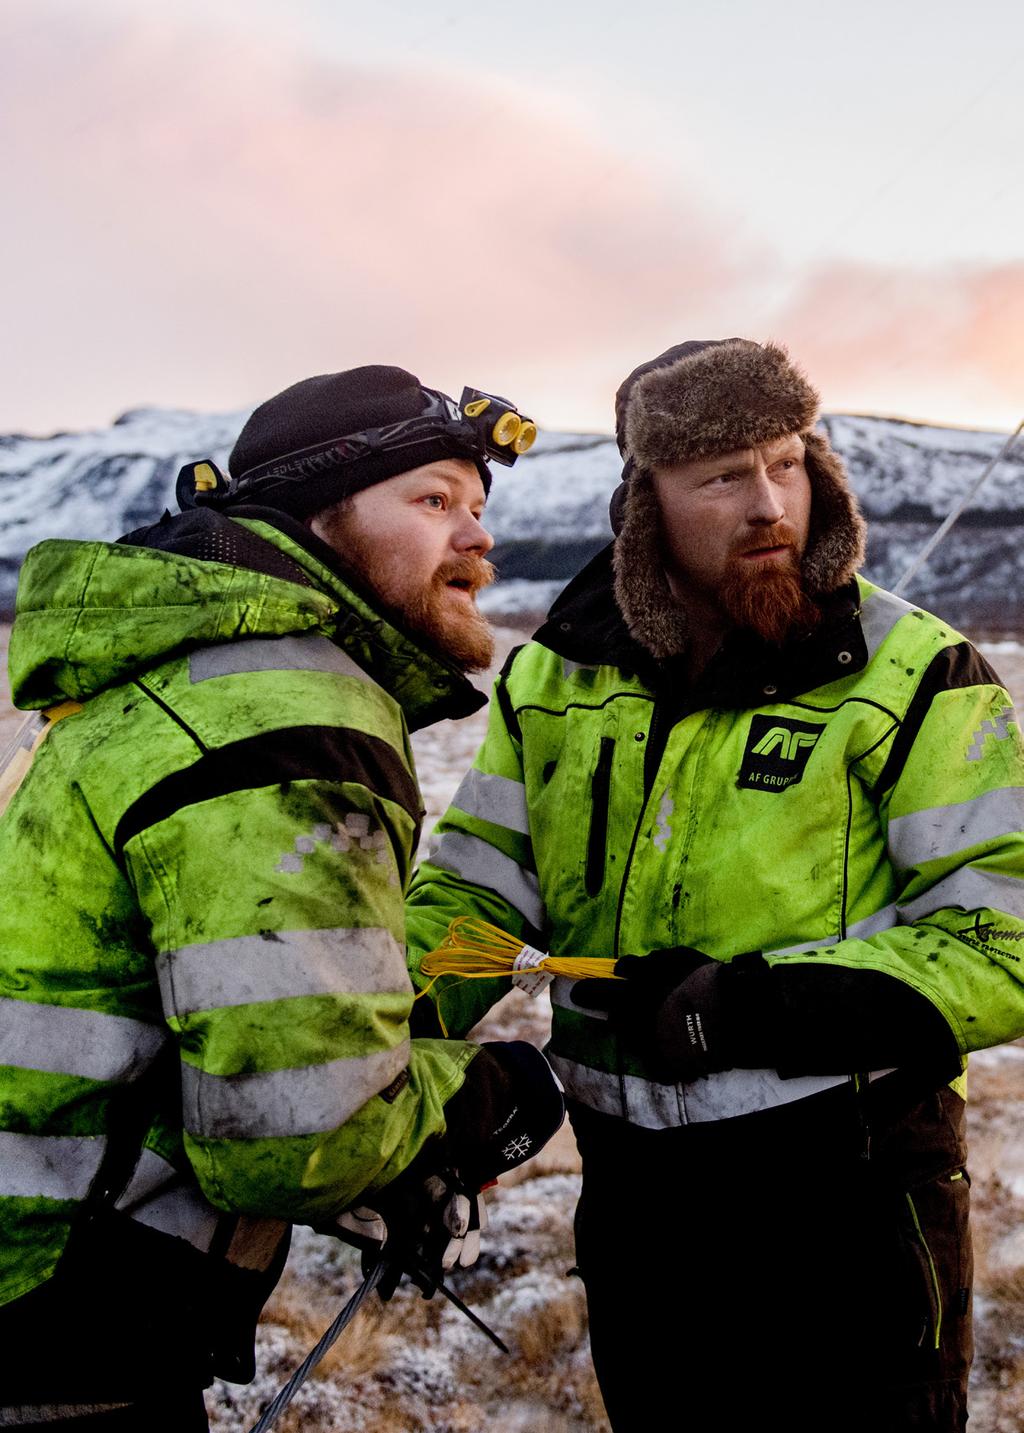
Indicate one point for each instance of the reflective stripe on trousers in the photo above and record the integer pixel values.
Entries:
(722, 1096)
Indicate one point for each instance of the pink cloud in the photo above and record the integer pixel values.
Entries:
(200, 220)
(934, 343)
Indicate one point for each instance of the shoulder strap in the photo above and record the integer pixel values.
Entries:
(16, 758)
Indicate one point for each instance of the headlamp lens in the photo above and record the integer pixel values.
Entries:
(506, 430)
(502, 432)
(525, 438)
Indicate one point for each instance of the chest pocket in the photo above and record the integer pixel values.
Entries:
(584, 794)
(600, 794)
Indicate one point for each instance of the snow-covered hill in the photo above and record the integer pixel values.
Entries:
(550, 512)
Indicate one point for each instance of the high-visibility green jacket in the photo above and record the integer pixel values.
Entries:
(852, 806)
(203, 875)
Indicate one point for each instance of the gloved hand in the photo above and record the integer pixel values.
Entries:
(424, 1227)
(673, 1008)
(431, 1216)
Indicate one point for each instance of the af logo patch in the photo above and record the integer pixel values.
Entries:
(777, 751)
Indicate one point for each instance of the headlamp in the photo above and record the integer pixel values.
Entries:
(506, 435)
(482, 428)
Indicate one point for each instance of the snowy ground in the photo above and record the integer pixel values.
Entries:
(418, 1365)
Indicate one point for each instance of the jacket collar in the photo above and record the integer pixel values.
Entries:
(586, 625)
(426, 685)
(93, 614)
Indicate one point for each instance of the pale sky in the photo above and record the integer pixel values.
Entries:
(201, 207)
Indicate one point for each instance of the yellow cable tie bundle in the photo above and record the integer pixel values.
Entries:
(476, 950)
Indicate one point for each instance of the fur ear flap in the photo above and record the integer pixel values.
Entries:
(838, 533)
(654, 617)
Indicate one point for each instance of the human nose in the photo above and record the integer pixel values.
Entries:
(472, 536)
(764, 505)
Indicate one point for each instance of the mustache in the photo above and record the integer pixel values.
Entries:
(780, 534)
(472, 572)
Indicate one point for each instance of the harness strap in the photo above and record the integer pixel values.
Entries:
(17, 757)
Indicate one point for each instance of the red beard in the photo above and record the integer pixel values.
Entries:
(453, 627)
(768, 597)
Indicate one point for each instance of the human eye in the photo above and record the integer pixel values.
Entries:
(437, 501)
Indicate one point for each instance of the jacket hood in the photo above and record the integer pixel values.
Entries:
(91, 615)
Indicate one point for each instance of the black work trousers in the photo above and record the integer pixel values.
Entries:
(745, 1272)
(127, 1334)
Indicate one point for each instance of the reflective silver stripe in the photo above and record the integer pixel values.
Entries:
(943, 830)
(806, 945)
(343, 961)
(879, 615)
(152, 1174)
(26, 1415)
(161, 1198)
(720, 1097)
(497, 799)
(305, 1100)
(183, 1213)
(37, 1166)
(971, 889)
(883, 919)
(569, 668)
(65, 1040)
(482, 864)
(272, 654)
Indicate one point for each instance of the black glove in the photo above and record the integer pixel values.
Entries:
(683, 1013)
(430, 1218)
(423, 1224)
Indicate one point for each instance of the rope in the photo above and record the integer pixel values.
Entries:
(951, 517)
(476, 950)
(273, 1412)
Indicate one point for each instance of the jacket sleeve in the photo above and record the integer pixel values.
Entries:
(481, 864)
(273, 889)
(943, 974)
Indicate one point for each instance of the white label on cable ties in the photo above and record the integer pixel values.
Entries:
(527, 977)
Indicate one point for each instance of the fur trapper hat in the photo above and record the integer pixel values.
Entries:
(697, 400)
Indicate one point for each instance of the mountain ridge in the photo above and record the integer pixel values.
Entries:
(549, 513)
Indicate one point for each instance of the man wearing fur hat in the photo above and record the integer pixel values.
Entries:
(204, 1012)
(788, 806)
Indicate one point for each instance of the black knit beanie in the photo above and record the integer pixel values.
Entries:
(288, 455)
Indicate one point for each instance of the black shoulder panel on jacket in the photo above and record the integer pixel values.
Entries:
(276, 758)
(212, 537)
(953, 667)
(503, 699)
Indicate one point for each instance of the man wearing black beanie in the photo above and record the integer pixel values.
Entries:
(206, 1018)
